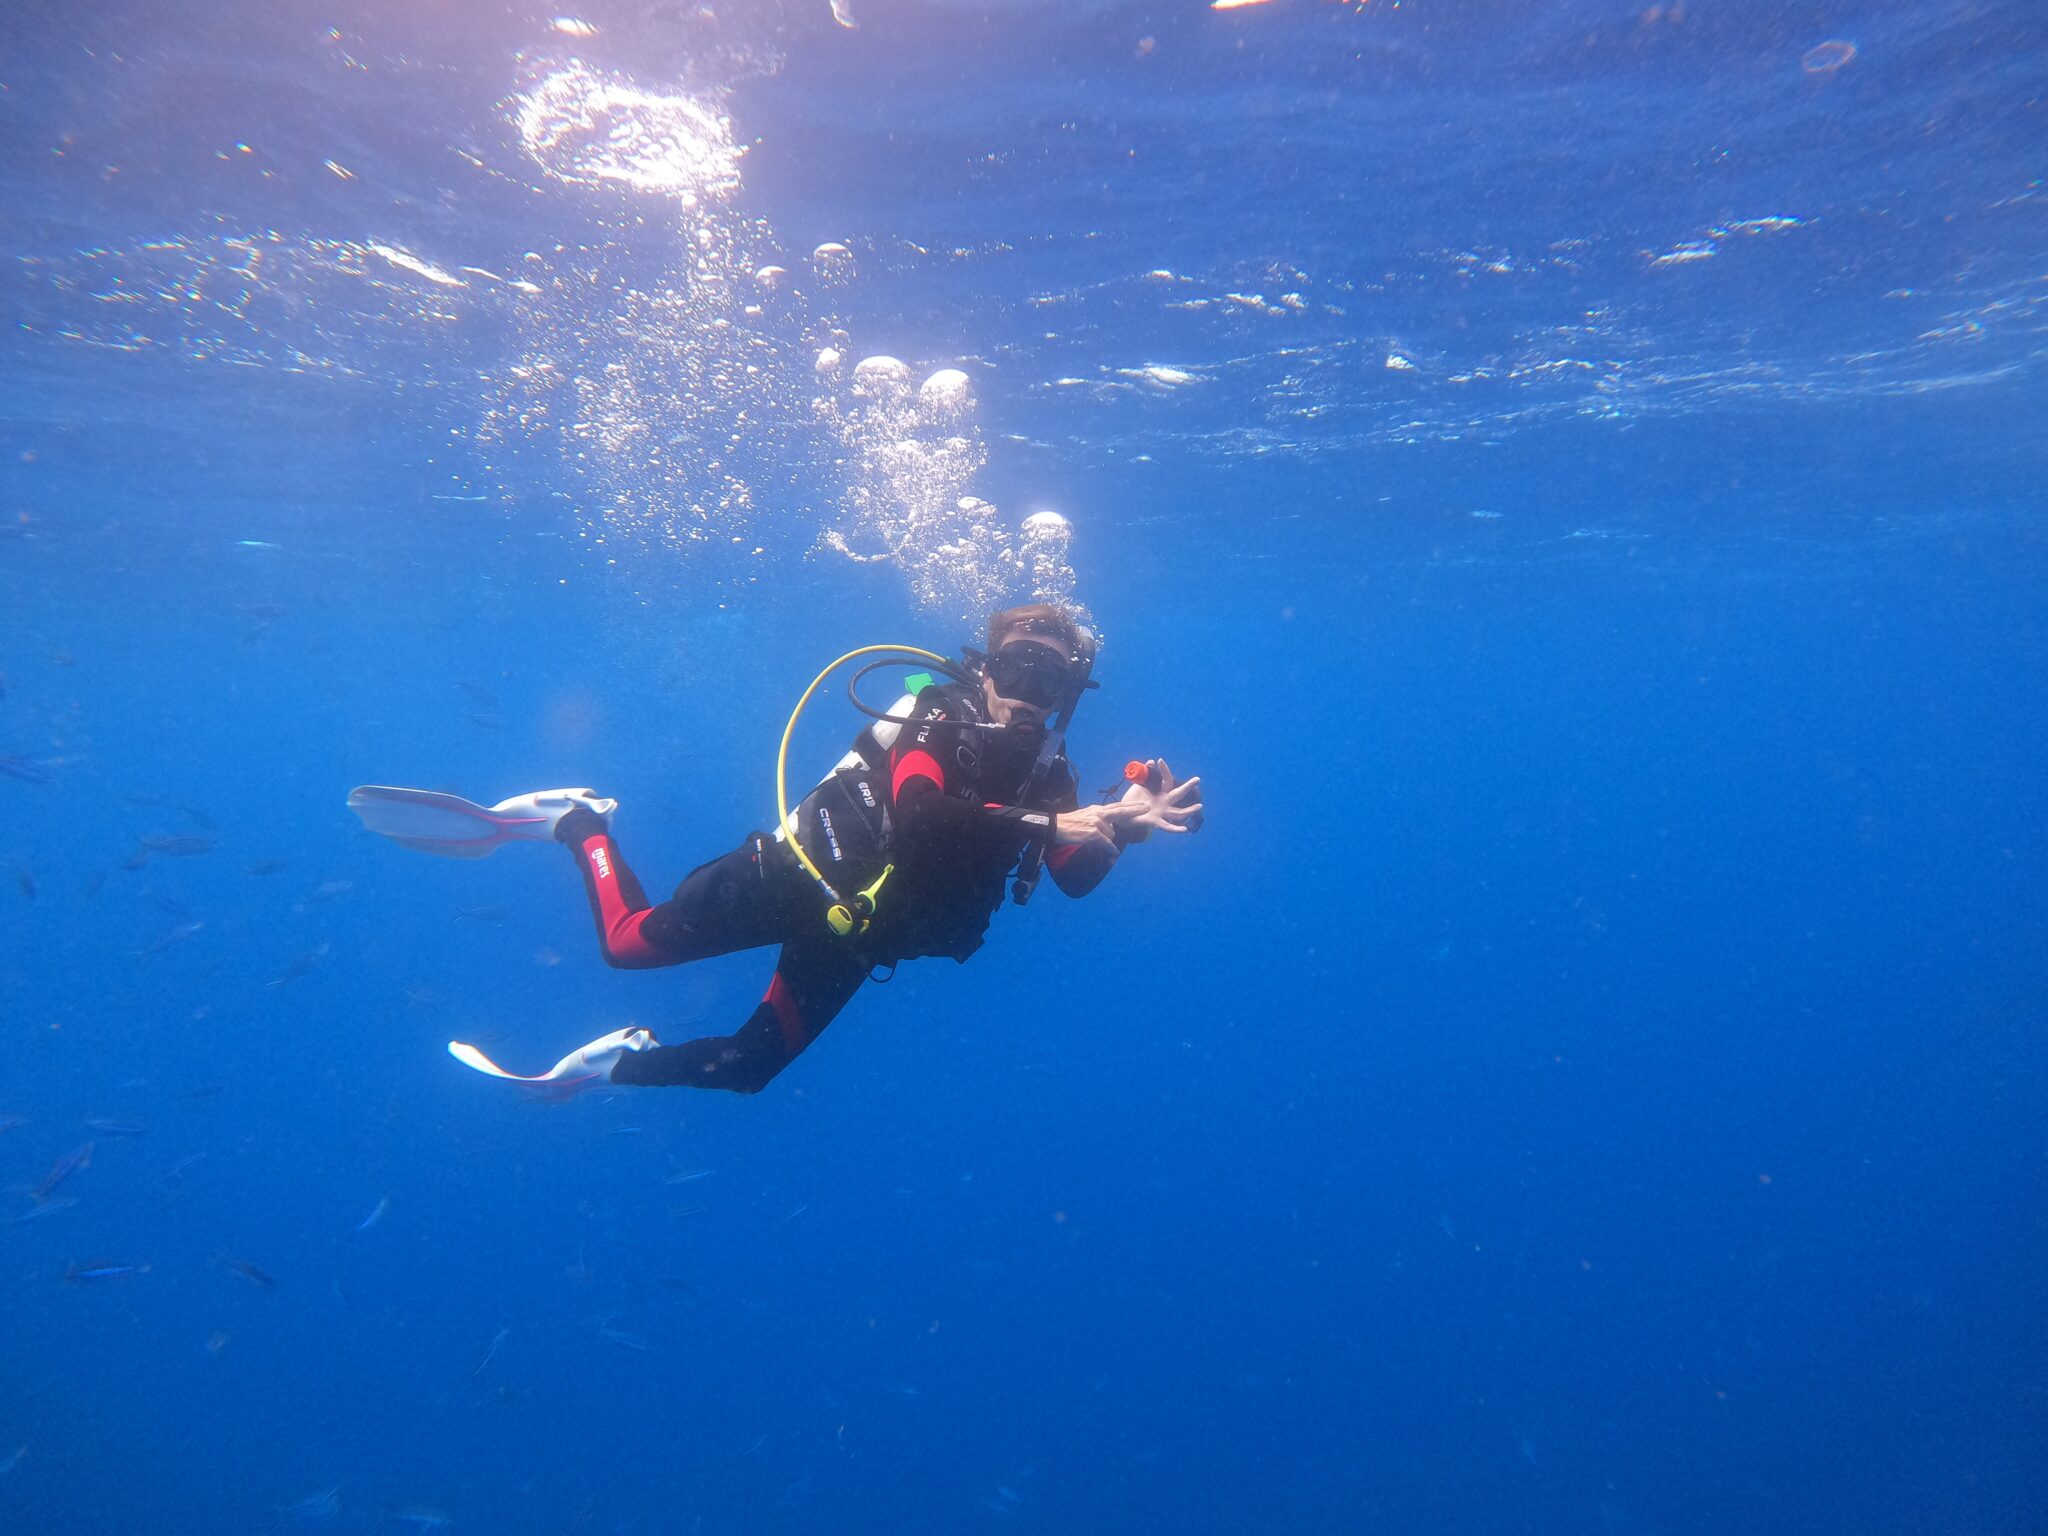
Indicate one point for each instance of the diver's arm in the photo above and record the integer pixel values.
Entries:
(1090, 839)
(1086, 838)
(617, 903)
(1077, 868)
(927, 818)
(1085, 848)
(1084, 841)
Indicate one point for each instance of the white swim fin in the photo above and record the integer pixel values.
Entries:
(585, 1067)
(455, 828)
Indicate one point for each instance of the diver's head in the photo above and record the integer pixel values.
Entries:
(1034, 652)
(1045, 624)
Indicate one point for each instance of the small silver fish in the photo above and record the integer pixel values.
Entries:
(65, 1166)
(316, 1508)
(180, 844)
(86, 1274)
(48, 1207)
(243, 1269)
(173, 936)
(490, 1353)
(300, 965)
(177, 1169)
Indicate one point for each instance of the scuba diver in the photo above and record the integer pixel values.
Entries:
(901, 852)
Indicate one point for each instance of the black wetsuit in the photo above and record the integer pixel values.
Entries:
(955, 835)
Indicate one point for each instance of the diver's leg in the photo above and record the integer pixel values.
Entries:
(742, 900)
(813, 979)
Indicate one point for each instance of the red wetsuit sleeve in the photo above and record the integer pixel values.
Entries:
(617, 903)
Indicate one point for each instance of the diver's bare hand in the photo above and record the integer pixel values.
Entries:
(1172, 807)
(1089, 827)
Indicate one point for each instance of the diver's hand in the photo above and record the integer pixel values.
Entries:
(1160, 804)
(1088, 827)
(549, 806)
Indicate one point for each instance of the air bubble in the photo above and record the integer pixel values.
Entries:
(590, 128)
(833, 261)
(946, 395)
(1825, 58)
(881, 377)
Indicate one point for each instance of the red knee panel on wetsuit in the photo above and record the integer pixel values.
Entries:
(789, 1018)
(619, 907)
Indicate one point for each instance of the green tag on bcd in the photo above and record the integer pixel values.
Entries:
(917, 682)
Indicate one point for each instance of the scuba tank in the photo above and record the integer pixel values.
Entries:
(848, 823)
(840, 831)
(843, 823)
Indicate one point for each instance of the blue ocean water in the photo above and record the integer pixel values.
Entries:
(1568, 478)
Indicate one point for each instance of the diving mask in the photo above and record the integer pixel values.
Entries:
(1031, 674)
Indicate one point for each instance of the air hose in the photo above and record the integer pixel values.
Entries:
(846, 915)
